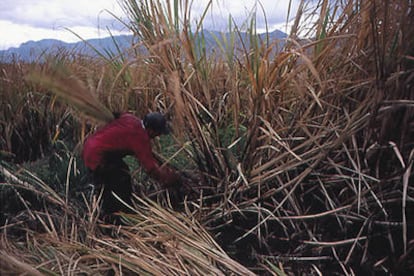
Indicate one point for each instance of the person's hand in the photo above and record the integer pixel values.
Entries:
(191, 184)
(171, 178)
(183, 183)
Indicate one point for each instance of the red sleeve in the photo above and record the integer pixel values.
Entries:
(143, 152)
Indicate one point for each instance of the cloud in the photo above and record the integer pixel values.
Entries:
(68, 13)
(50, 14)
(23, 20)
(269, 13)
(18, 33)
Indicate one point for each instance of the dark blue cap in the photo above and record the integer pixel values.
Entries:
(157, 122)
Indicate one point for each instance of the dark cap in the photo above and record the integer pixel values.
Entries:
(157, 122)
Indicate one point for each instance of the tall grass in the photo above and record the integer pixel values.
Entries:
(300, 160)
(64, 238)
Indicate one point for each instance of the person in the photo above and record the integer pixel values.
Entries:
(104, 150)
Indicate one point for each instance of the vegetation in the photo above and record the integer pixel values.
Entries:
(299, 159)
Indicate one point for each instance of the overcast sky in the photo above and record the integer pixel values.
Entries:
(24, 20)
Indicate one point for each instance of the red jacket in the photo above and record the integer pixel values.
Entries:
(125, 135)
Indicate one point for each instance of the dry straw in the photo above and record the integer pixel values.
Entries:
(303, 149)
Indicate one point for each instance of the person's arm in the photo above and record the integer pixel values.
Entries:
(163, 174)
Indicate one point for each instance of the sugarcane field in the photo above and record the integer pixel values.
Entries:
(192, 152)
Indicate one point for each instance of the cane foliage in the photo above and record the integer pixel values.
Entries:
(297, 154)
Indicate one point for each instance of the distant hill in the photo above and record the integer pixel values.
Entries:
(36, 50)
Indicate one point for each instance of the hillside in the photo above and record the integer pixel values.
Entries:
(35, 50)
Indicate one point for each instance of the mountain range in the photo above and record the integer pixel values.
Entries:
(36, 50)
